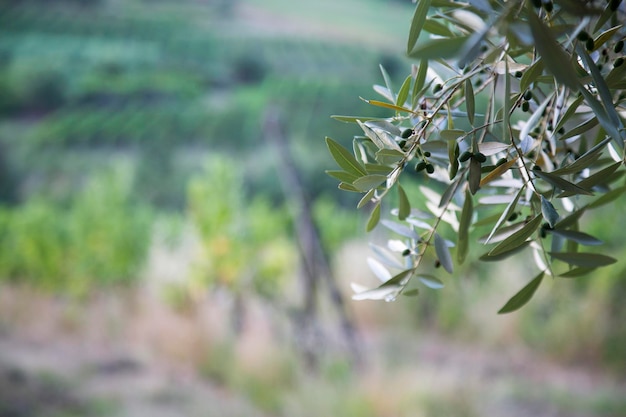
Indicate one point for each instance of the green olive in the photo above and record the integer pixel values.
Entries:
(528, 95)
(480, 157)
(421, 165)
(465, 156)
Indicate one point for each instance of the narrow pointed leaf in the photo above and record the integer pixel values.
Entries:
(517, 238)
(419, 17)
(487, 257)
(560, 183)
(379, 137)
(437, 28)
(431, 281)
(474, 176)
(389, 106)
(603, 118)
(374, 218)
(403, 93)
(581, 128)
(571, 110)
(589, 260)
(585, 161)
(443, 253)
(469, 101)
(599, 177)
(379, 270)
(342, 176)
(451, 134)
(438, 48)
(385, 293)
(497, 172)
(389, 156)
(505, 214)
(523, 296)
(603, 90)
(348, 187)
(579, 237)
(404, 208)
(344, 158)
(453, 154)
(552, 54)
(400, 279)
(411, 293)
(366, 198)
(353, 119)
(602, 38)
(492, 148)
(462, 244)
(449, 193)
(577, 272)
(400, 229)
(386, 257)
(549, 212)
(387, 79)
(420, 80)
(368, 182)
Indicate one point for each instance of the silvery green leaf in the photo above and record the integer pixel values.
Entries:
(417, 23)
(576, 236)
(443, 253)
(517, 238)
(523, 296)
(400, 229)
(549, 212)
(589, 260)
(388, 293)
(431, 281)
(386, 257)
(379, 270)
(369, 182)
(492, 148)
(344, 158)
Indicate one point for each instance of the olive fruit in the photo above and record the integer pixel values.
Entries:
(480, 157)
(465, 156)
(528, 95)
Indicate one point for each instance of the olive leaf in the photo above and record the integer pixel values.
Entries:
(523, 296)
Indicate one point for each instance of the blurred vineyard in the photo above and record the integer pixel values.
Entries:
(130, 128)
(145, 93)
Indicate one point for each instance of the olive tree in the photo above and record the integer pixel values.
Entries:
(511, 121)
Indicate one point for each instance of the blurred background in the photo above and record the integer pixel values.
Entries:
(170, 244)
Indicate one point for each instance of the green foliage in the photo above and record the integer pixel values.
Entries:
(244, 244)
(510, 114)
(101, 238)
